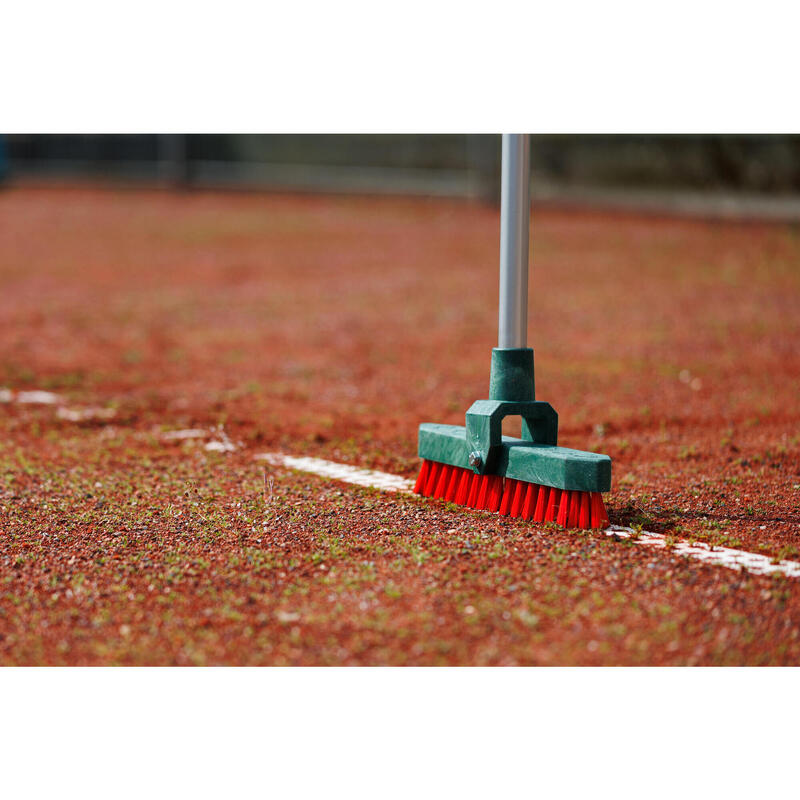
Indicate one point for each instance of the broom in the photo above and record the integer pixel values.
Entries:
(475, 465)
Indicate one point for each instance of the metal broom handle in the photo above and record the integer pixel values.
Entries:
(515, 204)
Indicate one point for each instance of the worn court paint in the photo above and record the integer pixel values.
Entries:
(188, 433)
(84, 414)
(34, 397)
(700, 551)
(719, 556)
(341, 472)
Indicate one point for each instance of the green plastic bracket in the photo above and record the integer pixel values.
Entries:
(511, 393)
(484, 425)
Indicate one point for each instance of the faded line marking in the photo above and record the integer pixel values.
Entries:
(35, 397)
(341, 472)
(84, 414)
(188, 433)
(40, 397)
(718, 556)
(700, 551)
(222, 444)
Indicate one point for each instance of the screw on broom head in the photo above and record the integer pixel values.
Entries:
(510, 497)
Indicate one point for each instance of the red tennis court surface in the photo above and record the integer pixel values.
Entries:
(331, 327)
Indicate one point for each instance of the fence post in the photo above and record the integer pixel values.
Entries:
(173, 155)
(484, 164)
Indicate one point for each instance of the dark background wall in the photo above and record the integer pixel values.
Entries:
(449, 164)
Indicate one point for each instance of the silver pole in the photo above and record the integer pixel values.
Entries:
(515, 205)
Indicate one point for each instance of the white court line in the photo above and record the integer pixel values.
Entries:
(341, 472)
(700, 551)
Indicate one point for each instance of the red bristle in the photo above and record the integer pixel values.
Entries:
(441, 484)
(585, 516)
(567, 499)
(480, 495)
(480, 488)
(563, 509)
(483, 492)
(474, 488)
(553, 500)
(574, 509)
(463, 487)
(529, 504)
(541, 504)
(508, 496)
(433, 479)
(519, 497)
(452, 486)
(599, 516)
(470, 483)
(495, 493)
(422, 477)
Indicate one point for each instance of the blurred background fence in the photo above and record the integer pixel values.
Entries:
(456, 165)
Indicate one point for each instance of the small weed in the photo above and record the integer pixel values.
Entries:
(527, 618)
(390, 590)
(499, 550)
(788, 551)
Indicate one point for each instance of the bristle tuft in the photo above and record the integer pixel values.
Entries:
(541, 504)
(563, 509)
(518, 499)
(529, 503)
(452, 486)
(422, 477)
(585, 515)
(574, 509)
(474, 488)
(441, 484)
(599, 515)
(553, 500)
(483, 492)
(433, 478)
(495, 496)
(463, 487)
(508, 496)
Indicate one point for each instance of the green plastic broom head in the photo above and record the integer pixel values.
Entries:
(476, 465)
